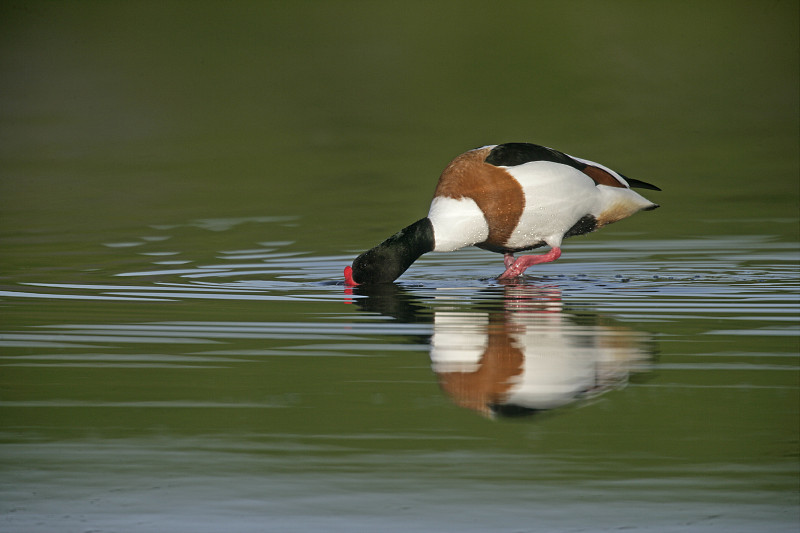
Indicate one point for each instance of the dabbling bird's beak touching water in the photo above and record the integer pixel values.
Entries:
(507, 198)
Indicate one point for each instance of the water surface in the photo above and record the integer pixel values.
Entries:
(181, 189)
(640, 371)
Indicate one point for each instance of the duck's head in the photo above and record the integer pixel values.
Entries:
(387, 261)
(378, 265)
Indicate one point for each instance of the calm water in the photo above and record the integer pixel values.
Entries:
(181, 189)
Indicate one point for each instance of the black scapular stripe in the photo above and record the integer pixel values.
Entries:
(513, 154)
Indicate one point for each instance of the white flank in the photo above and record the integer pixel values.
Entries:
(556, 197)
(456, 223)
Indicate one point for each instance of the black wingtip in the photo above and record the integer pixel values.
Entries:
(638, 184)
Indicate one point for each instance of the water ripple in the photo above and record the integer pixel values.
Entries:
(569, 331)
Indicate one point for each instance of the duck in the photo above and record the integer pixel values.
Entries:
(507, 198)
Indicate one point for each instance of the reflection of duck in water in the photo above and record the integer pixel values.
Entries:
(530, 357)
(517, 351)
(507, 198)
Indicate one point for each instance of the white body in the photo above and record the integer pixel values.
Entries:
(555, 196)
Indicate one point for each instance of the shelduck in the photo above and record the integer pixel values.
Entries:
(507, 198)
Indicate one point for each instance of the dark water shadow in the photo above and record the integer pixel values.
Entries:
(517, 349)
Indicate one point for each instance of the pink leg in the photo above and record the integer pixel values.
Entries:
(523, 262)
(508, 259)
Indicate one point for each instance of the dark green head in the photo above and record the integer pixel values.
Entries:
(387, 261)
